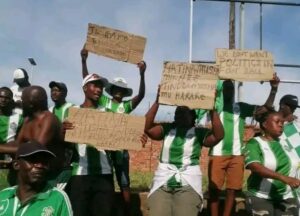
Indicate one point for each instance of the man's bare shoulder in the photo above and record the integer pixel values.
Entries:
(47, 116)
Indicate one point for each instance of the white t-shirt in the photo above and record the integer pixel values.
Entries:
(17, 93)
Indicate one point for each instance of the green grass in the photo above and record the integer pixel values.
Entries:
(140, 181)
(3, 182)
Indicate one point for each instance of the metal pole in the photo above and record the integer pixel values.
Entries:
(241, 45)
(260, 26)
(242, 21)
(259, 2)
(191, 31)
(232, 25)
(276, 65)
(290, 81)
(232, 40)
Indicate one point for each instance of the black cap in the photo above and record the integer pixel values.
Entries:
(290, 100)
(59, 85)
(32, 147)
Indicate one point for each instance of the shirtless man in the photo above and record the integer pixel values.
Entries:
(40, 125)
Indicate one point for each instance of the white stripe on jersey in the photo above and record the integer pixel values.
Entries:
(269, 162)
(51, 109)
(12, 127)
(188, 146)
(166, 146)
(82, 163)
(236, 147)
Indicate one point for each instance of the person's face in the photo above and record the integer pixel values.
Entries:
(21, 82)
(33, 169)
(183, 117)
(228, 89)
(57, 95)
(286, 110)
(93, 90)
(274, 125)
(118, 92)
(6, 99)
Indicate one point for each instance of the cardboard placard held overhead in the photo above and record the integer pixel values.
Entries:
(245, 65)
(105, 130)
(188, 84)
(115, 44)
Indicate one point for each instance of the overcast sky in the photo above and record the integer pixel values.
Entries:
(53, 33)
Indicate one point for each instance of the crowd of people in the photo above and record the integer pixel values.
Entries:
(49, 176)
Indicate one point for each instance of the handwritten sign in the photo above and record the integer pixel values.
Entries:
(105, 130)
(115, 44)
(188, 84)
(245, 65)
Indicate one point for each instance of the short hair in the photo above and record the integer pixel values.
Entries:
(7, 89)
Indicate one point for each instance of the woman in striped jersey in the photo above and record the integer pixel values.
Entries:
(272, 183)
(176, 188)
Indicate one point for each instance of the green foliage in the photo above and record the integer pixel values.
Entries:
(139, 181)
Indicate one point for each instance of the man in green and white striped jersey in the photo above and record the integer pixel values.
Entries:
(291, 129)
(91, 187)
(60, 109)
(226, 160)
(118, 90)
(10, 124)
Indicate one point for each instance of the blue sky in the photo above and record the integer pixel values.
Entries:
(53, 33)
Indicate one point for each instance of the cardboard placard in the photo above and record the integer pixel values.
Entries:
(245, 65)
(188, 84)
(105, 130)
(115, 44)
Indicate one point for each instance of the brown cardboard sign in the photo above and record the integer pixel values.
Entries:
(105, 130)
(188, 84)
(245, 65)
(115, 44)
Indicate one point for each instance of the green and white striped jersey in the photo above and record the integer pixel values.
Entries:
(61, 112)
(88, 160)
(123, 107)
(110, 106)
(9, 125)
(233, 119)
(275, 156)
(91, 161)
(49, 202)
(181, 147)
(291, 135)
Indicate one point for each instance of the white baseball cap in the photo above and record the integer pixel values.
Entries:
(20, 73)
(94, 77)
